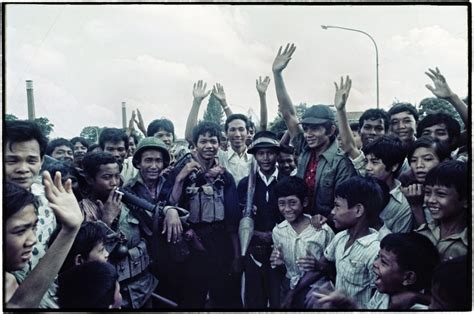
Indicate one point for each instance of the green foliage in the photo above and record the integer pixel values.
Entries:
(46, 126)
(10, 117)
(432, 105)
(91, 133)
(278, 124)
(214, 112)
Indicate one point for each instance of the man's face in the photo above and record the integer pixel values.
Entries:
(107, 178)
(20, 230)
(165, 136)
(22, 162)
(444, 203)
(423, 160)
(207, 146)
(79, 151)
(151, 164)
(403, 125)
(389, 275)
(266, 159)
(286, 163)
(438, 131)
(117, 149)
(63, 153)
(376, 168)
(290, 207)
(237, 133)
(371, 129)
(343, 216)
(315, 135)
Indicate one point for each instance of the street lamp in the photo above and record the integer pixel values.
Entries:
(376, 52)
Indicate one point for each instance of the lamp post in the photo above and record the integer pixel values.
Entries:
(376, 52)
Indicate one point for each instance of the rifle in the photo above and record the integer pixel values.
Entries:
(246, 225)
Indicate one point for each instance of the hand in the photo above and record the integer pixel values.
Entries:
(288, 300)
(282, 58)
(317, 221)
(276, 259)
(199, 91)
(414, 194)
(130, 123)
(218, 91)
(190, 167)
(306, 263)
(111, 208)
(140, 124)
(335, 300)
(262, 85)
(165, 172)
(172, 225)
(63, 202)
(441, 88)
(342, 93)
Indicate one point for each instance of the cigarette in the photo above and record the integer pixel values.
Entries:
(119, 192)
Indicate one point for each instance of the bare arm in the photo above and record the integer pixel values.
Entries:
(179, 181)
(286, 138)
(262, 91)
(140, 123)
(65, 207)
(218, 91)
(199, 93)
(340, 99)
(442, 90)
(285, 105)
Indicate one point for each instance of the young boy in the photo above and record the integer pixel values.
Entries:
(446, 198)
(297, 244)
(355, 249)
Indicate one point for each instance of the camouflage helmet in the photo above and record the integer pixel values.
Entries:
(151, 143)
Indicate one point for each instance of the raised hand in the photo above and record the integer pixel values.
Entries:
(282, 58)
(262, 85)
(63, 202)
(130, 123)
(218, 91)
(140, 123)
(199, 90)
(111, 208)
(342, 93)
(414, 194)
(441, 88)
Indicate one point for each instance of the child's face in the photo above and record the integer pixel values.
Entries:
(389, 275)
(290, 207)
(98, 253)
(423, 160)
(266, 159)
(376, 168)
(106, 179)
(343, 216)
(20, 231)
(443, 202)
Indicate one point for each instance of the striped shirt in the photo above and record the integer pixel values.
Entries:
(381, 301)
(294, 246)
(354, 266)
(397, 215)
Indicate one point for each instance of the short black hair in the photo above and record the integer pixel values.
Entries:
(237, 116)
(15, 199)
(287, 149)
(441, 149)
(291, 185)
(92, 162)
(450, 173)
(89, 285)
(389, 149)
(81, 140)
(374, 114)
(414, 252)
(401, 107)
(22, 131)
(206, 127)
(452, 125)
(113, 135)
(362, 190)
(354, 126)
(60, 141)
(450, 279)
(158, 124)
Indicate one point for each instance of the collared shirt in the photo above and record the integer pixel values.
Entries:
(269, 181)
(333, 168)
(138, 186)
(450, 247)
(238, 166)
(381, 301)
(397, 215)
(128, 170)
(354, 265)
(294, 246)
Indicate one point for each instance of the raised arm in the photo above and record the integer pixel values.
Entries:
(285, 105)
(64, 204)
(140, 123)
(262, 93)
(218, 91)
(442, 90)
(199, 93)
(131, 128)
(340, 99)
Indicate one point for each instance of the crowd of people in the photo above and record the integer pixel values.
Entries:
(368, 215)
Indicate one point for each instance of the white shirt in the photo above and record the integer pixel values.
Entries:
(238, 166)
(269, 181)
(294, 246)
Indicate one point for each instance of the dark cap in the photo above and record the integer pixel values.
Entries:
(318, 114)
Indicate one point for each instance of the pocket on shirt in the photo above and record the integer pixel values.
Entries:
(355, 272)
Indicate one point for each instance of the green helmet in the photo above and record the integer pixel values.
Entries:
(151, 143)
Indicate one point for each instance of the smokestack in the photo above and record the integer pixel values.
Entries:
(124, 115)
(30, 100)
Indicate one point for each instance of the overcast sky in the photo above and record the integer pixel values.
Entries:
(85, 60)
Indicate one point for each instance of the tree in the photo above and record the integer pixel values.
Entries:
(214, 111)
(278, 124)
(10, 117)
(45, 125)
(91, 133)
(433, 104)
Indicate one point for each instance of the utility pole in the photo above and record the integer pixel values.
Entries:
(30, 100)
(124, 115)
